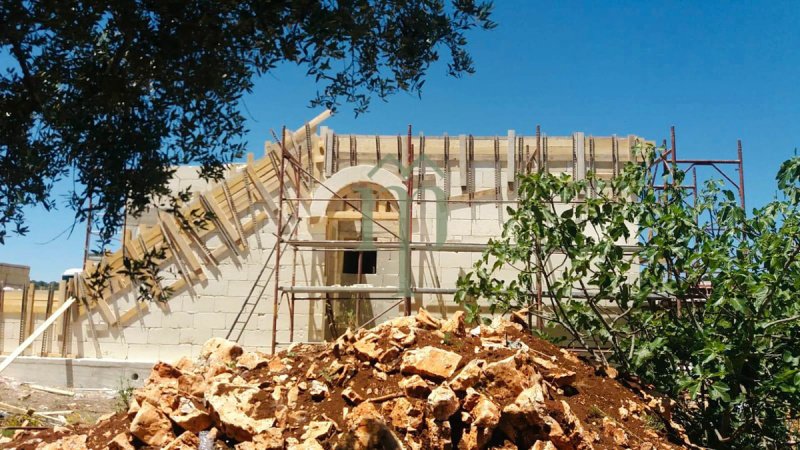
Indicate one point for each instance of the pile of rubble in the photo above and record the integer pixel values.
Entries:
(411, 383)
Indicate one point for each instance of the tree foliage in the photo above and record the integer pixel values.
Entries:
(692, 295)
(117, 93)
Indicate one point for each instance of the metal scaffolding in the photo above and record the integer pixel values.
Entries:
(295, 175)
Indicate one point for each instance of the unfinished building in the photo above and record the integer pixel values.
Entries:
(311, 238)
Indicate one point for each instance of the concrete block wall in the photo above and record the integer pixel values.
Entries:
(180, 326)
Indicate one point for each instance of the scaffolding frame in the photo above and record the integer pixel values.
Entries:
(520, 159)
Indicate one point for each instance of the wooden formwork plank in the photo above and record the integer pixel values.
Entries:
(262, 190)
(127, 316)
(183, 246)
(226, 228)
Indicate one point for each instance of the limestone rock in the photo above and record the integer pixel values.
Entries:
(366, 430)
(575, 434)
(426, 321)
(221, 350)
(469, 375)
(474, 438)
(319, 390)
(152, 426)
(504, 382)
(369, 348)
(438, 435)
(455, 325)
(430, 362)
(483, 412)
(308, 444)
(351, 396)
(191, 416)
(553, 373)
(186, 441)
(543, 445)
(414, 386)
(253, 360)
(615, 432)
(319, 430)
(271, 439)
(404, 339)
(232, 410)
(74, 442)
(528, 408)
(121, 441)
(442, 403)
(404, 415)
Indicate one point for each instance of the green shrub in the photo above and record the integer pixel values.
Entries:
(628, 267)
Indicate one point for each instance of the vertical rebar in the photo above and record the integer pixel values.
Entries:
(409, 227)
(741, 173)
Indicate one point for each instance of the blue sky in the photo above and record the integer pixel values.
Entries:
(717, 70)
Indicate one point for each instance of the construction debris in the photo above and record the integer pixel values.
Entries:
(406, 384)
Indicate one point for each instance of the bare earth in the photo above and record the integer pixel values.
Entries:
(85, 406)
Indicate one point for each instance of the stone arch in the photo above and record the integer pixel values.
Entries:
(352, 176)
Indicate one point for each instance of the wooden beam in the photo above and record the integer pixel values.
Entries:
(224, 226)
(183, 247)
(127, 316)
(262, 190)
(49, 321)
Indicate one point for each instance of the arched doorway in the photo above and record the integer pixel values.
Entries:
(362, 266)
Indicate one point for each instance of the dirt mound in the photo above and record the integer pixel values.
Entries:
(411, 383)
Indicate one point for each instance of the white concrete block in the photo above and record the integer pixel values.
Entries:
(142, 352)
(163, 336)
(176, 319)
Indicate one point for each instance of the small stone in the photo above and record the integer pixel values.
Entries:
(319, 390)
(414, 386)
(443, 403)
(426, 321)
(351, 396)
(617, 434)
(455, 325)
(319, 430)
